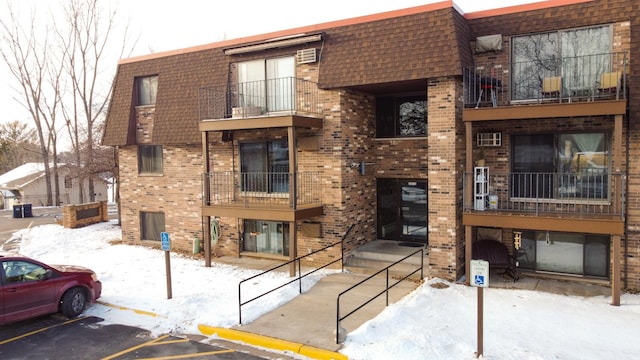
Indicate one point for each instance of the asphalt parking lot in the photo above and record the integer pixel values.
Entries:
(56, 337)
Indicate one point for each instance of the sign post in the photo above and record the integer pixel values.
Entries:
(166, 247)
(480, 279)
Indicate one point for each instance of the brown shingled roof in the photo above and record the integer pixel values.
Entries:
(410, 47)
(176, 115)
(396, 46)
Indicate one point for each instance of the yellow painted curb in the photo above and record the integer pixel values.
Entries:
(271, 343)
(141, 312)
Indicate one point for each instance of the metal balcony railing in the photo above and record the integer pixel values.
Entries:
(262, 189)
(260, 98)
(587, 194)
(555, 80)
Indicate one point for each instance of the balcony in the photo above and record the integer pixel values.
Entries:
(549, 201)
(576, 86)
(281, 102)
(263, 195)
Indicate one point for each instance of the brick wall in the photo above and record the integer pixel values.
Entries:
(445, 163)
(177, 193)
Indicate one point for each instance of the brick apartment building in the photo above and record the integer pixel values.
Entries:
(276, 144)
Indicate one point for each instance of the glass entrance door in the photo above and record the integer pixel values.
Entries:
(402, 210)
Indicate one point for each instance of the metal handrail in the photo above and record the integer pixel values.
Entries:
(298, 278)
(385, 291)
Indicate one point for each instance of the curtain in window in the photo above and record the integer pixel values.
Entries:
(147, 90)
(280, 84)
(150, 159)
(251, 76)
(151, 225)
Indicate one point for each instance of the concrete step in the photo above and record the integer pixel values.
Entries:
(368, 266)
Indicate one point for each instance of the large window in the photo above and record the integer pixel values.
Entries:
(151, 225)
(147, 89)
(560, 166)
(268, 84)
(150, 159)
(577, 254)
(577, 56)
(269, 237)
(400, 116)
(265, 166)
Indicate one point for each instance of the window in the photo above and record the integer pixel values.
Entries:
(150, 159)
(265, 166)
(151, 225)
(577, 56)
(577, 254)
(269, 237)
(147, 89)
(560, 166)
(400, 116)
(23, 271)
(68, 182)
(268, 84)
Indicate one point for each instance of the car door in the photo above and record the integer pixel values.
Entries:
(26, 291)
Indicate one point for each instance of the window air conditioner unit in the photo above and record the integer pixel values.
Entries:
(306, 56)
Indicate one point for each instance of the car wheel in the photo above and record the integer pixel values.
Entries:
(73, 302)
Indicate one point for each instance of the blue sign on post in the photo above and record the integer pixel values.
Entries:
(166, 243)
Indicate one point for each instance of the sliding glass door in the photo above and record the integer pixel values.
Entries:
(566, 253)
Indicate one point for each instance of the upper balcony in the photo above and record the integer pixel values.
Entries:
(557, 87)
(279, 102)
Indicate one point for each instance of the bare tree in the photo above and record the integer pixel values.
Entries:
(65, 71)
(27, 54)
(87, 32)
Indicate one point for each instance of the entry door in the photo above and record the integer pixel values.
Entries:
(402, 210)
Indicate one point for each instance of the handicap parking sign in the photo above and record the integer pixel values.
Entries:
(164, 240)
(480, 273)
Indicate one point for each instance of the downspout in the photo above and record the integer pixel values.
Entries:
(206, 198)
(625, 208)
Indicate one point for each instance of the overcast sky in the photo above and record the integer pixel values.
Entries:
(169, 25)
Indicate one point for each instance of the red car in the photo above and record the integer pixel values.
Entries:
(29, 288)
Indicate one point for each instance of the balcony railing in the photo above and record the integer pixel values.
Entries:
(538, 193)
(556, 80)
(262, 189)
(260, 98)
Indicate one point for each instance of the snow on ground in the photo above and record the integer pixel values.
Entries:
(437, 321)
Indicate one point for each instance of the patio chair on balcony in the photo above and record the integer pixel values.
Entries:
(609, 84)
(551, 88)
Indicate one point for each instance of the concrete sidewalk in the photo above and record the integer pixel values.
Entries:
(307, 324)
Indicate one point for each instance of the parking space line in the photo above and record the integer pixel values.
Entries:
(41, 330)
(177, 341)
(159, 341)
(194, 355)
(125, 351)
